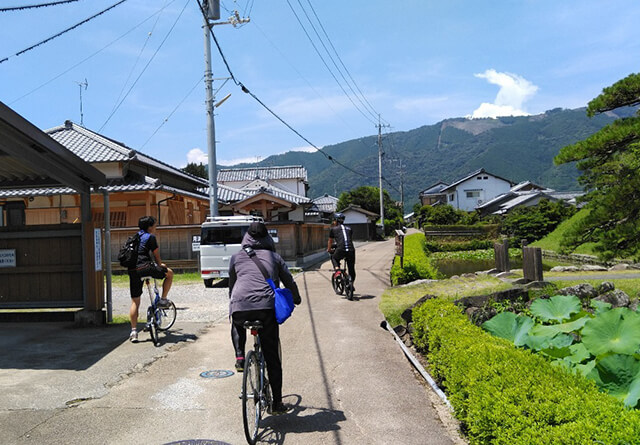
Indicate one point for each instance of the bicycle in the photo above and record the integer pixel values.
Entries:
(342, 282)
(256, 392)
(159, 318)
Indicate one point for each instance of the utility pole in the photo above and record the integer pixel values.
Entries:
(211, 10)
(380, 154)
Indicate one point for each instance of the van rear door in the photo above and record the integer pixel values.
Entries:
(217, 244)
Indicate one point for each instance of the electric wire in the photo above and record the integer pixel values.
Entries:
(89, 57)
(166, 119)
(146, 41)
(374, 114)
(145, 67)
(326, 64)
(63, 32)
(340, 59)
(41, 5)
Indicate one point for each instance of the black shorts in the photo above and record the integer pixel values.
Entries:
(135, 277)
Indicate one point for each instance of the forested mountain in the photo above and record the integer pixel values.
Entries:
(515, 148)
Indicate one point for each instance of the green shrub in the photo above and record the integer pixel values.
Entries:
(455, 246)
(504, 395)
(416, 263)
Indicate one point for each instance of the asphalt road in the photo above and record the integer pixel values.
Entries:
(346, 378)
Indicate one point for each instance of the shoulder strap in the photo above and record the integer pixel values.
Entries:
(254, 257)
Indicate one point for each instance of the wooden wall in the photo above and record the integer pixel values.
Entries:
(48, 270)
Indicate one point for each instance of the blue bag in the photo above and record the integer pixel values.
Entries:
(283, 302)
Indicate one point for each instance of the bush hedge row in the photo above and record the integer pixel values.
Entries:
(458, 245)
(416, 263)
(505, 395)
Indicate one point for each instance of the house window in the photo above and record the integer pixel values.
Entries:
(479, 178)
(451, 196)
(473, 193)
(485, 177)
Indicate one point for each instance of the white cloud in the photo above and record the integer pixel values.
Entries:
(308, 149)
(514, 91)
(248, 160)
(197, 156)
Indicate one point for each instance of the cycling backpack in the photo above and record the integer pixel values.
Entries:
(128, 255)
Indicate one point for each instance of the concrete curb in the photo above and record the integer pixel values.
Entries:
(414, 361)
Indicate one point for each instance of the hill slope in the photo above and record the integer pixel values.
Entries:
(516, 148)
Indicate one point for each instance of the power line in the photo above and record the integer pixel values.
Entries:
(325, 62)
(90, 56)
(166, 119)
(124, 85)
(370, 109)
(145, 67)
(63, 32)
(41, 5)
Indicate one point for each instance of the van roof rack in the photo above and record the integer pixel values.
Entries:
(235, 218)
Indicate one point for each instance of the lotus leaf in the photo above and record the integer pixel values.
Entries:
(551, 330)
(509, 326)
(614, 331)
(558, 308)
(619, 375)
(579, 353)
(600, 306)
(586, 368)
(542, 342)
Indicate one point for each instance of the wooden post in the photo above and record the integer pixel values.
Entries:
(400, 246)
(532, 263)
(501, 253)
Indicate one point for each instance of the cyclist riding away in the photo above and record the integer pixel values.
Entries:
(253, 299)
(341, 247)
(149, 264)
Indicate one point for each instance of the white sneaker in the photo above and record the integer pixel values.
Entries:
(133, 337)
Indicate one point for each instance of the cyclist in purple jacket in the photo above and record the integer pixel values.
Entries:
(251, 298)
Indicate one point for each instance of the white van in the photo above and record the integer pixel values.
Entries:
(221, 237)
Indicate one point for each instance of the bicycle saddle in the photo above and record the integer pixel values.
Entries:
(257, 324)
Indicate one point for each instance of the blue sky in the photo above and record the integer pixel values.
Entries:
(415, 62)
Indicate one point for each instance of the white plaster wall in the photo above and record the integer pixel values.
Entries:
(488, 188)
(353, 217)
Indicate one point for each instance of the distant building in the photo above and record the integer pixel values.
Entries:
(322, 208)
(361, 221)
(475, 189)
(433, 195)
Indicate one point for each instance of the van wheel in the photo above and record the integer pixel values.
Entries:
(208, 282)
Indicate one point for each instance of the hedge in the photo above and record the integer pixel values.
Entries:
(505, 395)
(416, 263)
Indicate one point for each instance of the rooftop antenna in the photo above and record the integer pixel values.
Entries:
(84, 84)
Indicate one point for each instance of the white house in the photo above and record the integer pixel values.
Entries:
(361, 221)
(475, 189)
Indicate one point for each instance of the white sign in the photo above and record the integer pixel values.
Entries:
(97, 241)
(7, 257)
(195, 243)
(274, 234)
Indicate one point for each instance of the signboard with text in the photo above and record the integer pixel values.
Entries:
(195, 243)
(7, 257)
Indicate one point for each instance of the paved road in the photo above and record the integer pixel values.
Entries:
(345, 376)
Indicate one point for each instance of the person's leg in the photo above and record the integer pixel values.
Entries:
(238, 334)
(270, 341)
(135, 289)
(166, 284)
(351, 265)
(133, 312)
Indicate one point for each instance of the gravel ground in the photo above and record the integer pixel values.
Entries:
(194, 302)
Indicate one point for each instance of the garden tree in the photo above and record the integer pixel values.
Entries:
(442, 215)
(535, 222)
(368, 198)
(196, 169)
(610, 164)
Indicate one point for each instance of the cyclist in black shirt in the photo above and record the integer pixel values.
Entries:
(340, 246)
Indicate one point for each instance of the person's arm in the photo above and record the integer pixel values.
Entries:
(330, 242)
(289, 282)
(156, 255)
(232, 274)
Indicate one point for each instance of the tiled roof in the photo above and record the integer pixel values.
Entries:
(326, 203)
(230, 194)
(266, 173)
(471, 175)
(90, 146)
(279, 193)
(94, 148)
(435, 188)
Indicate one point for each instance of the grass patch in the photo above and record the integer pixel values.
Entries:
(416, 263)
(179, 278)
(396, 299)
(552, 240)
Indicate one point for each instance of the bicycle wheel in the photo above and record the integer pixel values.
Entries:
(251, 397)
(168, 316)
(153, 327)
(348, 288)
(338, 284)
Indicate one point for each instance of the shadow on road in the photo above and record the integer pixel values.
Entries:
(302, 419)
